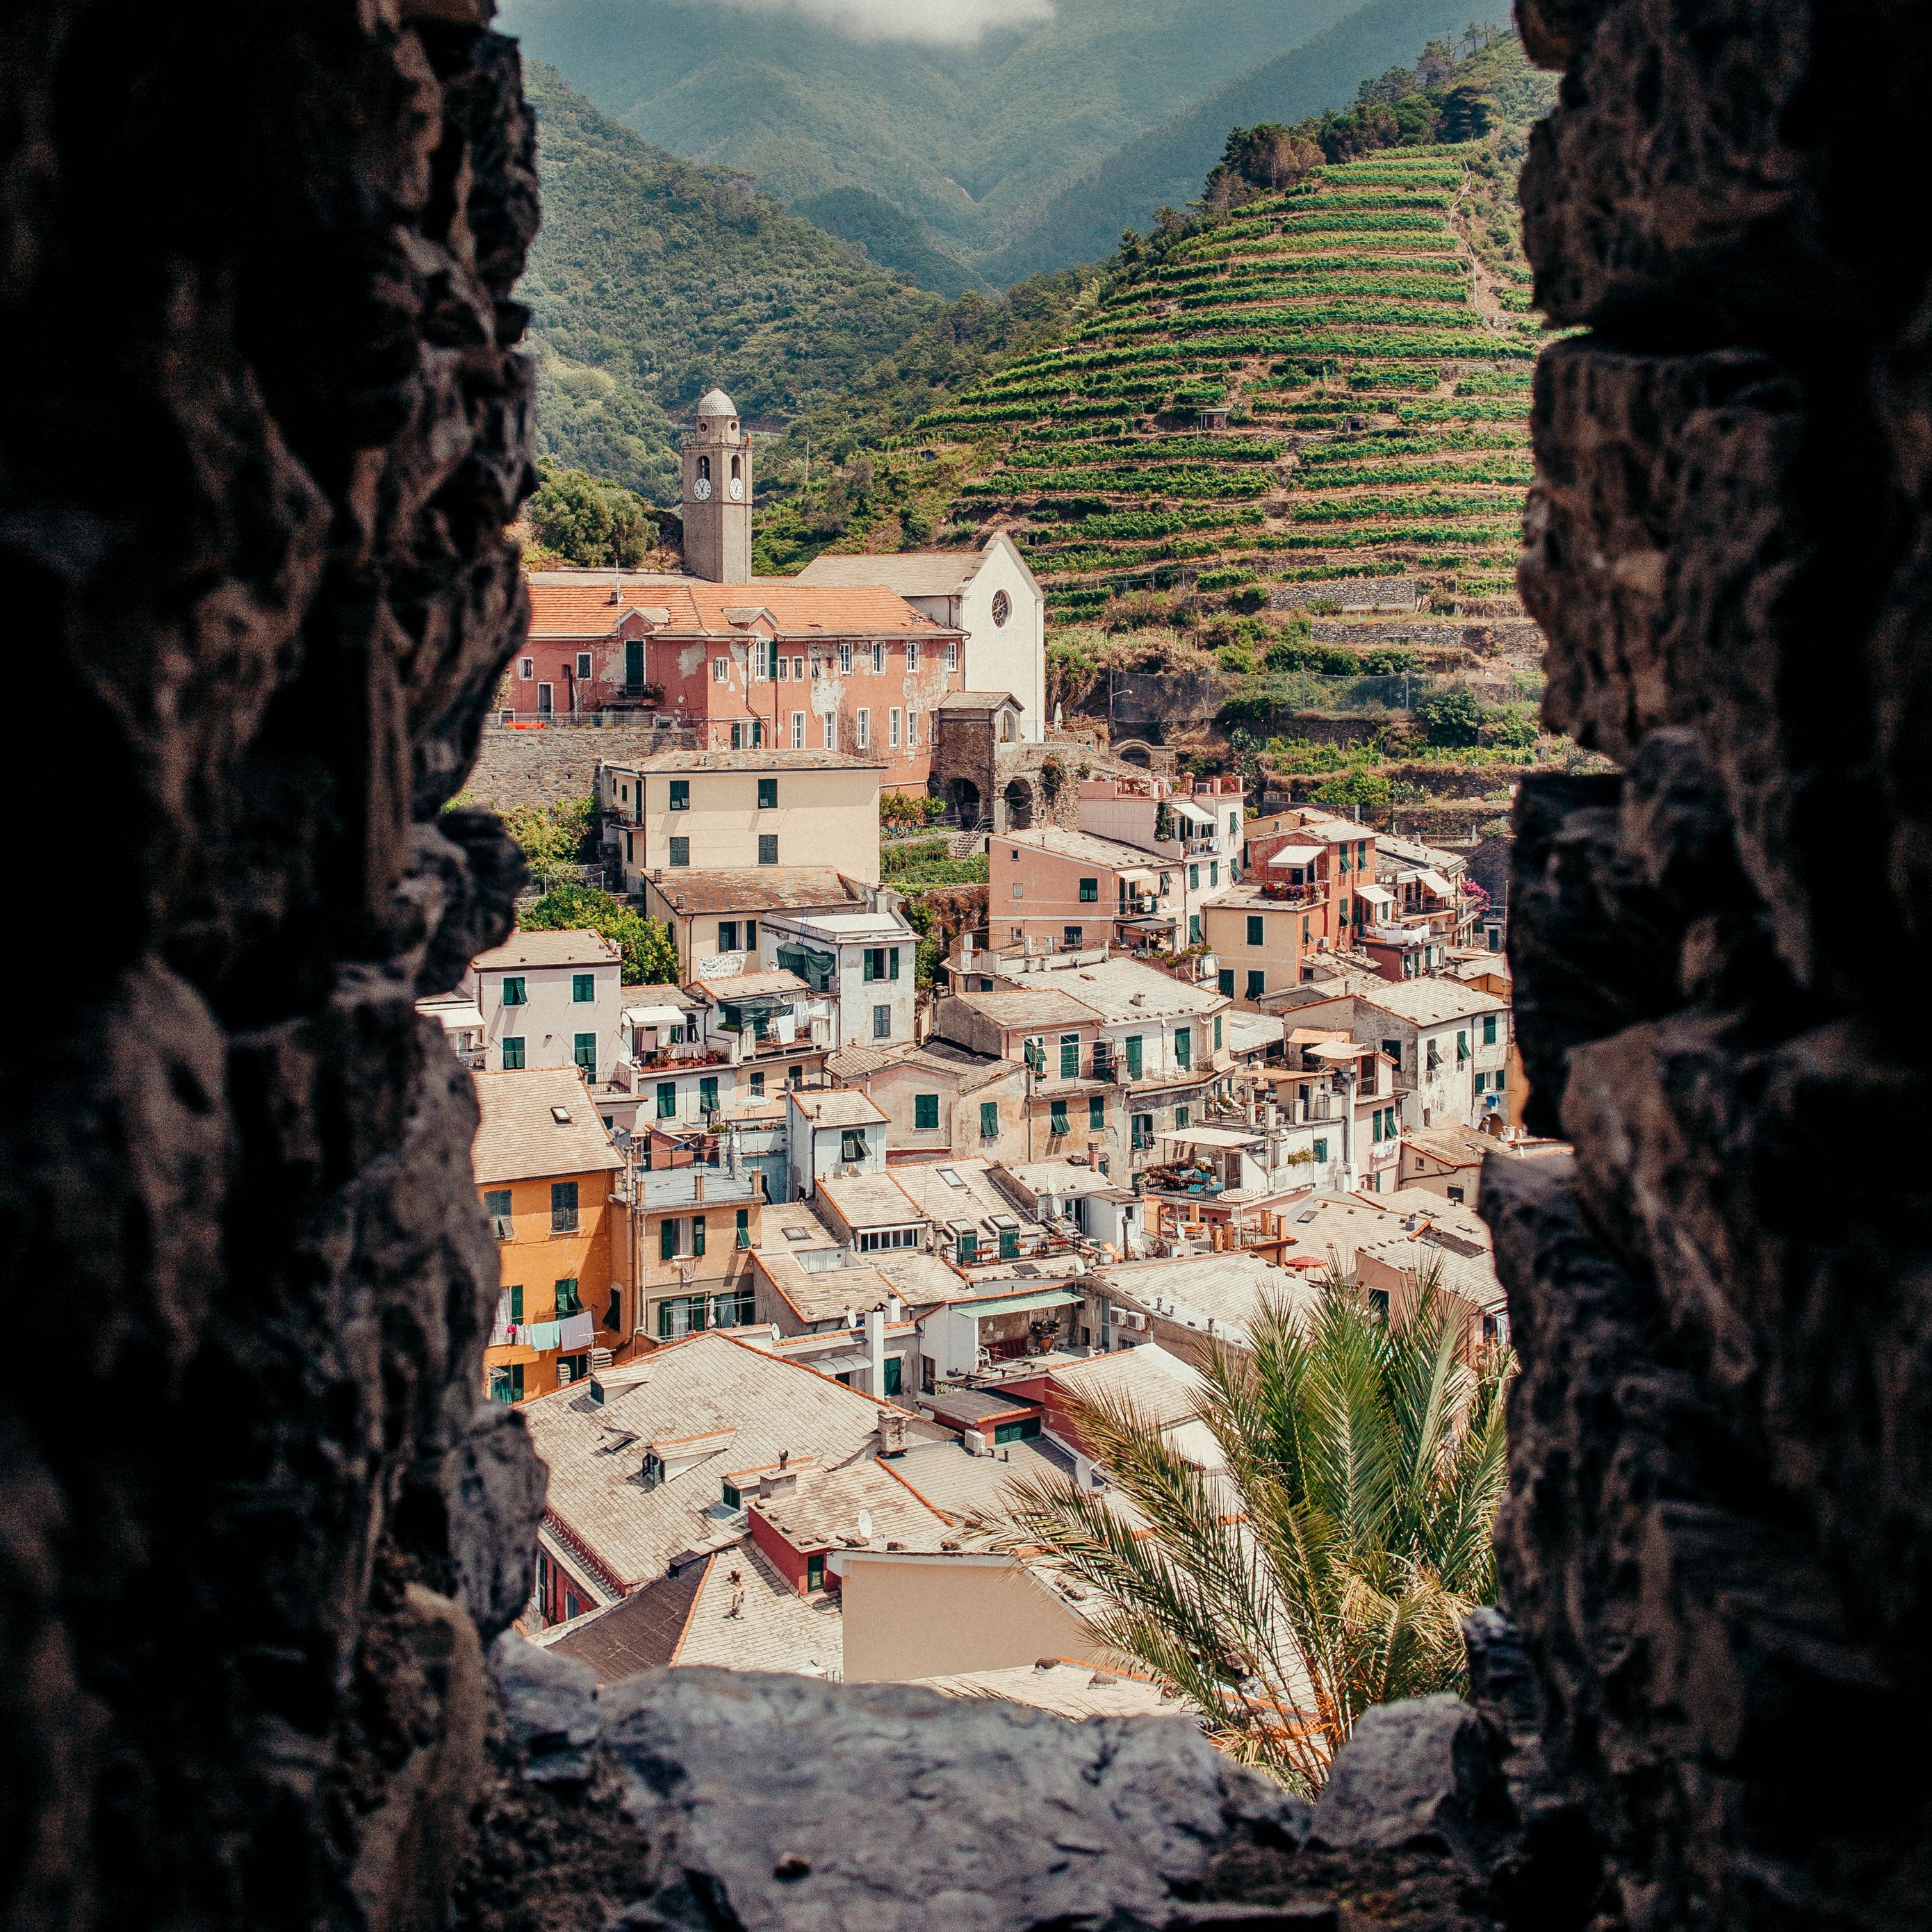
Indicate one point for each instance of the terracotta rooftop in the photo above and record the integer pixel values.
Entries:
(564, 605)
(728, 761)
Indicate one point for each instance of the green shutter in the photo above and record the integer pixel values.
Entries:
(697, 1235)
(516, 1304)
(1057, 1120)
(707, 1094)
(680, 794)
(969, 1247)
(893, 959)
(1217, 1033)
(1183, 1046)
(1134, 1061)
(583, 1051)
(1009, 1243)
(513, 1053)
(1096, 1111)
(1070, 1056)
(768, 794)
(1256, 928)
(567, 1301)
(666, 1100)
(924, 1111)
(989, 1120)
(1224, 980)
(744, 1228)
(894, 1365)
(667, 1239)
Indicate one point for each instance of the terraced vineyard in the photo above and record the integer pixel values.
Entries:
(1367, 334)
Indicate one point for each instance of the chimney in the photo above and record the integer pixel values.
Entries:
(875, 1352)
(698, 1182)
(891, 1432)
(894, 1309)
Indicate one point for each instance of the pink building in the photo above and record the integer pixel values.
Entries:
(1069, 891)
(1326, 865)
(771, 664)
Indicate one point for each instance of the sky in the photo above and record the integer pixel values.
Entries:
(936, 22)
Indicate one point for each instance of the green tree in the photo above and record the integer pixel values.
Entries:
(1328, 1567)
(589, 521)
(555, 837)
(650, 954)
(1454, 718)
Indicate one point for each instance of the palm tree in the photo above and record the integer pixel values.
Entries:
(1328, 1567)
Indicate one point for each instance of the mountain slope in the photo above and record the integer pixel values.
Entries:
(971, 141)
(1165, 165)
(891, 238)
(653, 279)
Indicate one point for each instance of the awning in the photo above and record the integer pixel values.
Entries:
(842, 1363)
(1135, 873)
(1437, 884)
(1334, 1049)
(1019, 1304)
(654, 1016)
(1375, 895)
(1219, 1137)
(1195, 812)
(455, 1018)
(1297, 855)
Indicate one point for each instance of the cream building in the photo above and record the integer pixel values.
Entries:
(988, 594)
(710, 811)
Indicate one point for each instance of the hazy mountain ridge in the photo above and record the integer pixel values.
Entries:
(975, 141)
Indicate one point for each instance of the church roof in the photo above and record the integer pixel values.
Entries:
(577, 604)
(915, 573)
(716, 403)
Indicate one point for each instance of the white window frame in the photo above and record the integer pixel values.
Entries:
(721, 671)
(879, 658)
(785, 670)
(527, 669)
(761, 660)
(798, 730)
(912, 654)
(583, 671)
(861, 728)
(832, 731)
(844, 657)
(953, 655)
(893, 723)
(912, 729)
(798, 671)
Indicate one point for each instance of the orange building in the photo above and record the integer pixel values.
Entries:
(544, 1168)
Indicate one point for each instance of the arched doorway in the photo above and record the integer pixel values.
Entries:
(1018, 799)
(963, 797)
(1134, 752)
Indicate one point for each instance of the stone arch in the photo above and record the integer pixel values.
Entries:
(1020, 802)
(1134, 752)
(963, 795)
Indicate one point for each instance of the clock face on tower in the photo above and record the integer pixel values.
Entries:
(701, 489)
(736, 486)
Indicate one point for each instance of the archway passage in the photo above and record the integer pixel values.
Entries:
(1134, 752)
(1018, 797)
(963, 797)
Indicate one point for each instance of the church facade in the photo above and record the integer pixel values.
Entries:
(857, 659)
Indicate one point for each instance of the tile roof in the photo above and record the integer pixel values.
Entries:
(1148, 1378)
(824, 1509)
(660, 1188)
(871, 1201)
(1471, 1276)
(572, 948)
(562, 605)
(1035, 1005)
(1227, 1289)
(842, 1107)
(755, 888)
(729, 761)
(1252, 1032)
(965, 1487)
(1431, 1002)
(1088, 847)
(594, 1453)
(1069, 1687)
(746, 985)
(927, 573)
(821, 1293)
(520, 1137)
(642, 1632)
(972, 1196)
(749, 1617)
(1124, 989)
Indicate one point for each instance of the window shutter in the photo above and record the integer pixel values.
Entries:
(697, 1235)
(516, 1304)
(893, 972)
(667, 1240)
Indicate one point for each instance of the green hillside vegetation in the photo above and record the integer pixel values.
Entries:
(971, 139)
(1164, 166)
(889, 236)
(653, 279)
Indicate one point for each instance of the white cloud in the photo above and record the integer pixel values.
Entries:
(937, 22)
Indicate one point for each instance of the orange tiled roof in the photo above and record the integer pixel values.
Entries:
(566, 605)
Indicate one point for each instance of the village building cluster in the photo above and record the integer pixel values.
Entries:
(804, 1262)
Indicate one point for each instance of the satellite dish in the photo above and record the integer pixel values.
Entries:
(866, 1525)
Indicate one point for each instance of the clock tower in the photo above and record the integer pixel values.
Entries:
(717, 505)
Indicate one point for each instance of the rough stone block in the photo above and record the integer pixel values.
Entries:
(550, 1703)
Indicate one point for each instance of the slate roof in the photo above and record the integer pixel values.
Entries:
(1035, 1005)
(1068, 1687)
(918, 573)
(842, 1107)
(641, 1633)
(662, 763)
(1157, 1383)
(823, 1511)
(1124, 989)
(520, 1137)
(1431, 1002)
(1227, 1289)
(1087, 847)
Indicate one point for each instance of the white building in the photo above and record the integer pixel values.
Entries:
(988, 593)
(832, 1132)
(549, 999)
(862, 961)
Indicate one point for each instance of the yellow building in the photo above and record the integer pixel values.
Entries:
(546, 1170)
(711, 812)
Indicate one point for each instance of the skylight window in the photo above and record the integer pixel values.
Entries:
(561, 1115)
(951, 1176)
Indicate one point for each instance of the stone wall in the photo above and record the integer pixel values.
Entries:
(519, 767)
(264, 432)
(1717, 1544)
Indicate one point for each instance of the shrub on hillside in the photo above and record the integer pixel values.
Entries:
(649, 953)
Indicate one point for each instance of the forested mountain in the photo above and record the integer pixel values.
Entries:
(653, 279)
(1165, 165)
(891, 237)
(972, 137)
